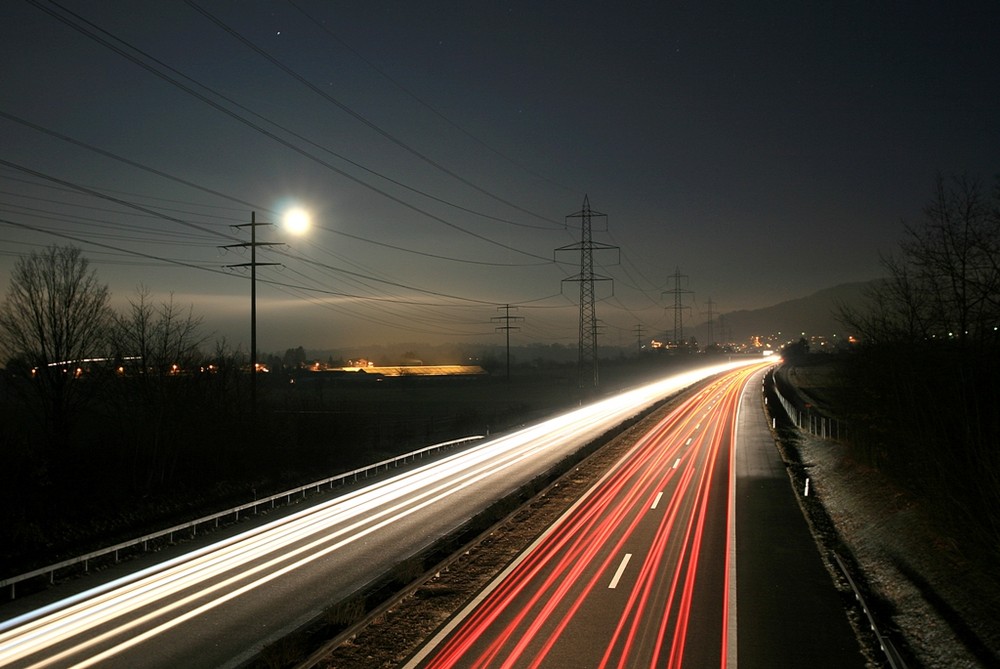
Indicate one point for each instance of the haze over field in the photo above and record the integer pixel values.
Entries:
(764, 152)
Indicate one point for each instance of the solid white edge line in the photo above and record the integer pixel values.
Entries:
(732, 656)
(619, 572)
(417, 658)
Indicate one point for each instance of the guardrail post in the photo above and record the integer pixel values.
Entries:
(341, 479)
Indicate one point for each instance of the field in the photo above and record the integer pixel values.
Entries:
(139, 460)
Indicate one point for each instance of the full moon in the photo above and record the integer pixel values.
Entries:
(297, 221)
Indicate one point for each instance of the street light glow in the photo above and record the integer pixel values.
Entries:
(296, 221)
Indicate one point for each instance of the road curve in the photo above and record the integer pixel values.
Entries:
(219, 604)
(636, 574)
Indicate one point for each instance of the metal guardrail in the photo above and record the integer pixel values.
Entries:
(831, 428)
(885, 643)
(192, 526)
(810, 420)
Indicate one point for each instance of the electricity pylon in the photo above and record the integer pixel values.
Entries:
(679, 306)
(587, 360)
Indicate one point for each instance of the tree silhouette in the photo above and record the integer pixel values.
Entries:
(55, 319)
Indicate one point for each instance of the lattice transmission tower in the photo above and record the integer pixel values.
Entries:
(679, 307)
(587, 360)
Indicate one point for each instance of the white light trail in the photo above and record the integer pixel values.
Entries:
(92, 626)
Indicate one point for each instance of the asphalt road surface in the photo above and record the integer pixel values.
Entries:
(690, 552)
(217, 604)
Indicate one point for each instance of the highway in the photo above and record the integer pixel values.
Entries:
(638, 573)
(217, 605)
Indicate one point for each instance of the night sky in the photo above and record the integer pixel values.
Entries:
(767, 150)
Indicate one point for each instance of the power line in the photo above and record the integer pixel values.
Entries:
(245, 121)
(431, 255)
(359, 117)
(121, 159)
(492, 149)
(104, 196)
(74, 238)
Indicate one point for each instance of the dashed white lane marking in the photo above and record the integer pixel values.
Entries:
(621, 570)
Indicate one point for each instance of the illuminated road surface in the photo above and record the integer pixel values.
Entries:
(637, 574)
(217, 605)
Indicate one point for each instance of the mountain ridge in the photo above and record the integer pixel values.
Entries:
(813, 314)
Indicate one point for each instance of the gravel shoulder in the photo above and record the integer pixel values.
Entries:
(940, 604)
(934, 591)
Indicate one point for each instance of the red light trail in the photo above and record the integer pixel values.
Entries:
(636, 574)
(244, 586)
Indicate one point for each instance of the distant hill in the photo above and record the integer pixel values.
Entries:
(813, 314)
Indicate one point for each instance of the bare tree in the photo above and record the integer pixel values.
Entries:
(158, 348)
(953, 256)
(944, 283)
(926, 382)
(152, 339)
(54, 318)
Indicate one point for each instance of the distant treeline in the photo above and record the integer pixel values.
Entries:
(116, 423)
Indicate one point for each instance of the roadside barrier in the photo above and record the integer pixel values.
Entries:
(807, 417)
(214, 519)
(885, 643)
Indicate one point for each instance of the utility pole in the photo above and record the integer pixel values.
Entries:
(638, 335)
(507, 319)
(679, 306)
(587, 360)
(253, 264)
